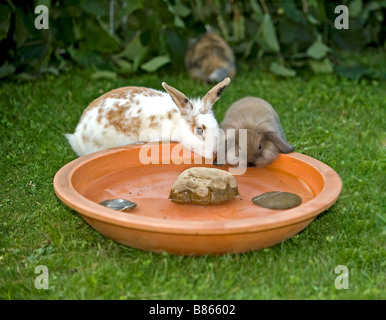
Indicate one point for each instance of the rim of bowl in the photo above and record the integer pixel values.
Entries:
(92, 210)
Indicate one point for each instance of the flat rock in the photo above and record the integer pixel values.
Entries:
(119, 204)
(204, 186)
(277, 200)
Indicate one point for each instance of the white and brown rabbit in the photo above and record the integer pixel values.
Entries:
(210, 59)
(135, 114)
(265, 137)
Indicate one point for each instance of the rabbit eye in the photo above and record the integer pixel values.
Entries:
(200, 131)
(259, 147)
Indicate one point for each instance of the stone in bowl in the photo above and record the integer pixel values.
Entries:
(204, 186)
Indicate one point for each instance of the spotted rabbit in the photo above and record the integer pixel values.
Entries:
(135, 114)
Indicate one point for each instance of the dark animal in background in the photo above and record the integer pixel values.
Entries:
(210, 59)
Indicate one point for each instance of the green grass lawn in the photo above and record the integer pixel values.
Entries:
(337, 121)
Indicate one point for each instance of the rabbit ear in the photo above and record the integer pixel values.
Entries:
(282, 146)
(182, 102)
(214, 94)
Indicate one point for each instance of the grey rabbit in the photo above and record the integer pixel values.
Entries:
(265, 136)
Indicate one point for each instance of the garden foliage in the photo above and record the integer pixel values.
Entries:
(124, 37)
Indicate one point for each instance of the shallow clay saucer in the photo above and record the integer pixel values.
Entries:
(160, 225)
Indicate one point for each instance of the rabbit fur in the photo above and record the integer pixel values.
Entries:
(265, 136)
(210, 59)
(136, 114)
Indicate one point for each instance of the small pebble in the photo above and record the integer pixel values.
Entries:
(277, 200)
(119, 204)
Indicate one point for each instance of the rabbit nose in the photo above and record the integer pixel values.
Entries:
(215, 163)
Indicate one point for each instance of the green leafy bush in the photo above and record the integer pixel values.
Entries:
(123, 37)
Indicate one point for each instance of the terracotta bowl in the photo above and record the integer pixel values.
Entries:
(160, 225)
